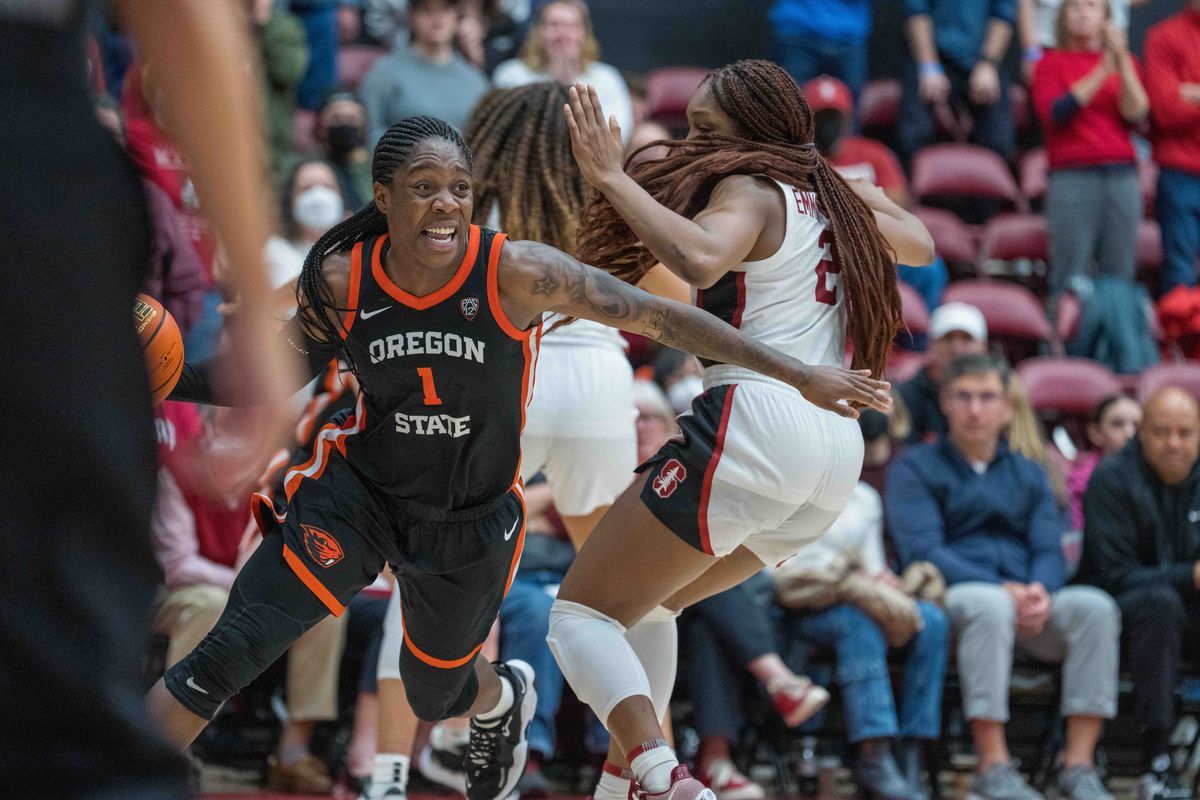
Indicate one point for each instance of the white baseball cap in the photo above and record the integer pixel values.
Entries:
(964, 317)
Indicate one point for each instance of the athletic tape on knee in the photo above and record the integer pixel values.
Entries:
(655, 640)
(594, 657)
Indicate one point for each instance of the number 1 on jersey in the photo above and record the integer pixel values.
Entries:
(431, 395)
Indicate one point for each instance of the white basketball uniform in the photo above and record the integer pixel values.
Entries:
(756, 463)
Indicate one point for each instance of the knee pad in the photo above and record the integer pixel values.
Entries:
(655, 640)
(594, 656)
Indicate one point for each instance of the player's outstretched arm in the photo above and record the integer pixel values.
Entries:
(537, 278)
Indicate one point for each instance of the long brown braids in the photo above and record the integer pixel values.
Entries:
(777, 127)
(524, 166)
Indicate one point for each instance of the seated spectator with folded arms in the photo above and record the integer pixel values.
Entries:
(1141, 543)
(987, 518)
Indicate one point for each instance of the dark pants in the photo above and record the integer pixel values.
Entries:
(321, 30)
(1159, 627)
(806, 57)
(1178, 207)
(720, 636)
(992, 124)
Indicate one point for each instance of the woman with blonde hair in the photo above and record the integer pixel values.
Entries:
(561, 47)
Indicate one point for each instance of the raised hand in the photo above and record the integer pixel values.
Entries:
(595, 142)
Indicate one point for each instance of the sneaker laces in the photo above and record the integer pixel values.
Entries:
(483, 746)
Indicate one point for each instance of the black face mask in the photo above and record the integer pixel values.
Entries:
(343, 139)
(827, 129)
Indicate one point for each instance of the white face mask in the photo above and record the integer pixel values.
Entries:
(319, 208)
(683, 391)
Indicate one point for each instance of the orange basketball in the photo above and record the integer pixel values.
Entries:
(162, 344)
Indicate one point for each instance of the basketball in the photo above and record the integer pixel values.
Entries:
(162, 345)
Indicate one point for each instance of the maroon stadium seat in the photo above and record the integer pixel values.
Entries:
(1068, 316)
(1014, 316)
(1185, 375)
(952, 239)
(902, 365)
(355, 61)
(916, 315)
(879, 106)
(1149, 246)
(1148, 178)
(1008, 237)
(303, 124)
(668, 91)
(964, 170)
(1035, 174)
(1066, 385)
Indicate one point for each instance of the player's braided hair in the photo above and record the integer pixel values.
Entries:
(524, 166)
(776, 140)
(318, 309)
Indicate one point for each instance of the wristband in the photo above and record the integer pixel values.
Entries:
(930, 68)
(1033, 54)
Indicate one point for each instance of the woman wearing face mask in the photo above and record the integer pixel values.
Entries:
(312, 204)
(561, 47)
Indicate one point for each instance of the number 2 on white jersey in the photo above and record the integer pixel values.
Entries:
(826, 266)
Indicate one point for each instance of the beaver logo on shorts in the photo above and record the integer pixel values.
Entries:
(470, 307)
(321, 546)
(673, 473)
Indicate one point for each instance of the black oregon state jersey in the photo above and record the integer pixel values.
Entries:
(445, 379)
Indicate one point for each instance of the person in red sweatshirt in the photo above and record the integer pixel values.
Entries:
(1088, 95)
(1173, 79)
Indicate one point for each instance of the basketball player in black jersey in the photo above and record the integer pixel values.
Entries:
(434, 315)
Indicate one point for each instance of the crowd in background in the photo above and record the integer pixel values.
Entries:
(970, 538)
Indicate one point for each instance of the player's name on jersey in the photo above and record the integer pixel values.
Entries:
(433, 424)
(426, 343)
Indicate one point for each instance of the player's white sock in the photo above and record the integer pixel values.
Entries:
(651, 763)
(594, 657)
(613, 784)
(391, 771)
(655, 639)
(502, 705)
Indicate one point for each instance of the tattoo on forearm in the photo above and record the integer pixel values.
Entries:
(620, 305)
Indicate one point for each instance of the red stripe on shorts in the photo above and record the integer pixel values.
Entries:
(710, 470)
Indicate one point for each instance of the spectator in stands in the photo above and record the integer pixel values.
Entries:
(857, 157)
(986, 517)
(283, 53)
(1140, 544)
(1173, 81)
(1037, 27)
(197, 527)
(655, 419)
(955, 329)
(425, 75)
(341, 133)
(955, 50)
(561, 47)
(1087, 95)
(725, 636)
(312, 204)
(841, 594)
(1113, 422)
(815, 37)
(487, 34)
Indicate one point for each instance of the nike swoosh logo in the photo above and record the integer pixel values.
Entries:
(509, 534)
(364, 314)
(191, 684)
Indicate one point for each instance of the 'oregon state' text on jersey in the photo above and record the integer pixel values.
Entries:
(445, 379)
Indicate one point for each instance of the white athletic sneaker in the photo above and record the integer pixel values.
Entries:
(683, 787)
(497, 752)
(441, 761)
(728, 783)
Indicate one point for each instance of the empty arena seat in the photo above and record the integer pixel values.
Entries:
(916, 315)
(668, 91)
(952, 239)
(1011, 236)
(1185, 375)
(1066, 385)
(879, 106)
(1149, 246)
(902, 365)
(355, 61)
(1035, 174)
(953, 170)
(1014, 316)
(304, 123)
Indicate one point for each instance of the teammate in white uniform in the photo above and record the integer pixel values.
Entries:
(778, 245)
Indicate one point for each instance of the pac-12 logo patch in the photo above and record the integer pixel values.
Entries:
(470, 307)
(672, 474)
(321, 546)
